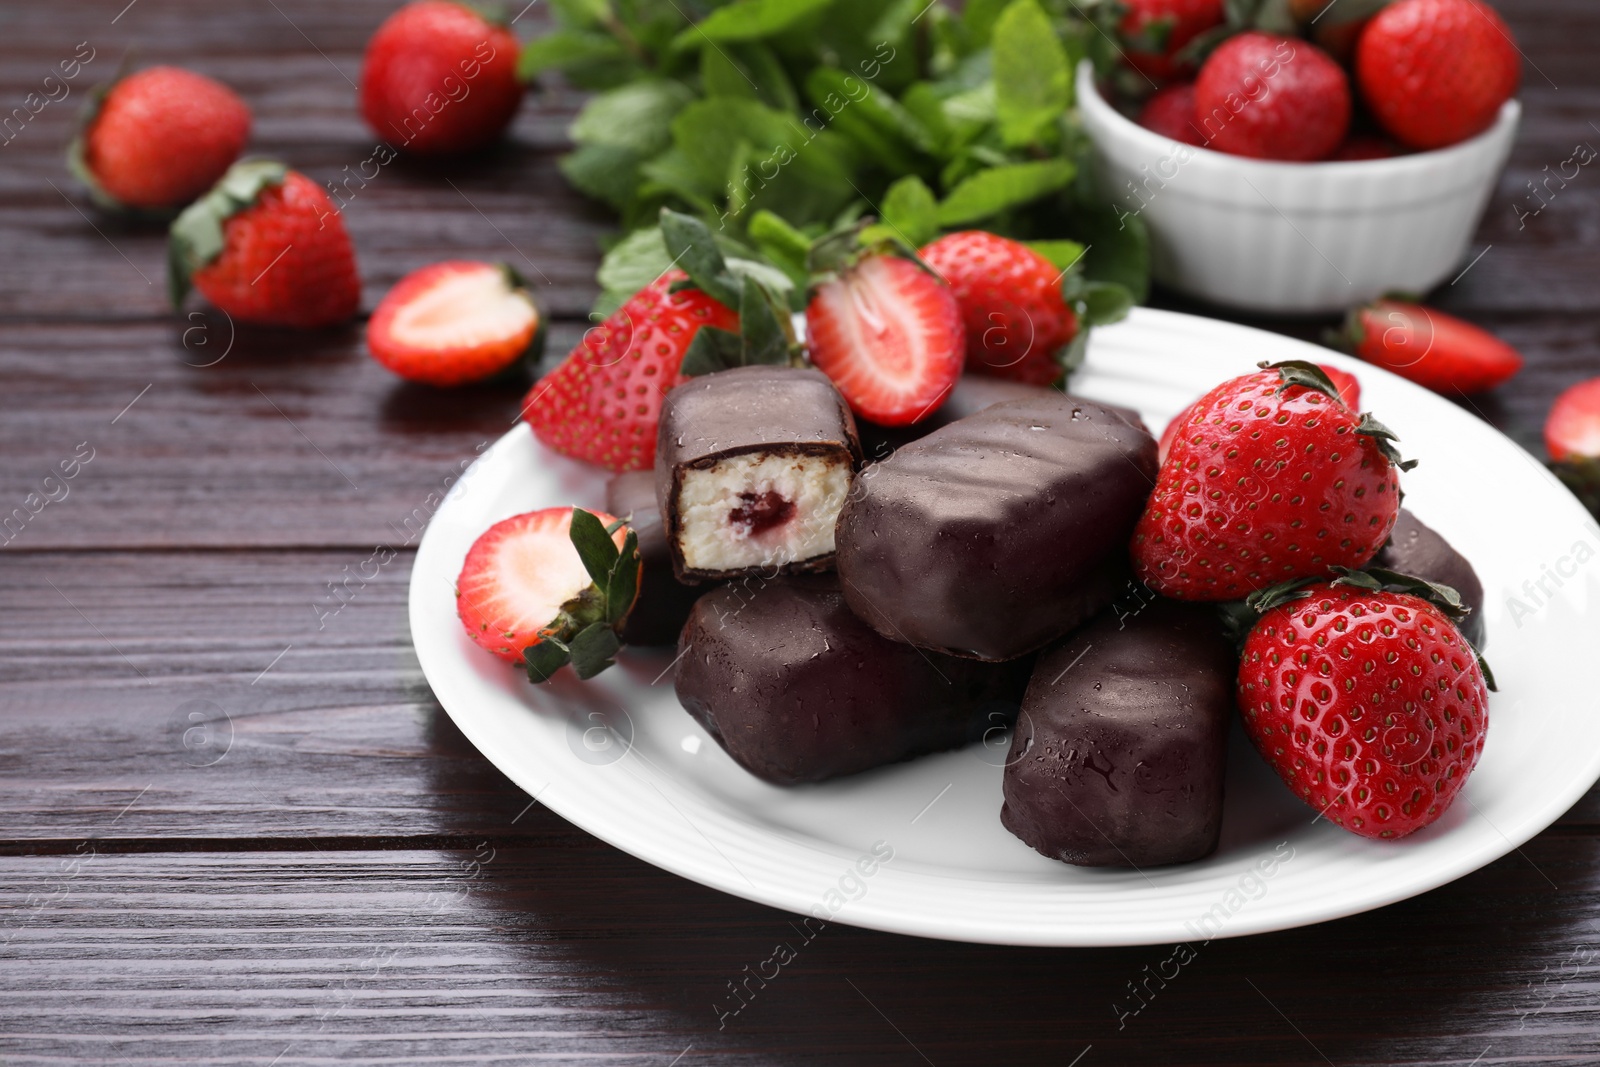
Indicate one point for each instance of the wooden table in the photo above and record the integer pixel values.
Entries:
(327, 870)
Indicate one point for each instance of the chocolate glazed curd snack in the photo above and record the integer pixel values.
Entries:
(1119, 754)
(797, 689)
(999, 533)
(752, 466)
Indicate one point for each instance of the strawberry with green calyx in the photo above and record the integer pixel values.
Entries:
(1428, 347)
(1026, 319)
(267, 246)
(882, 325)
(766, 330)
(1572, 436)
(1362, 693)
(551, 587)
(153, 141)
(1349, 394)
(603, 403)
(1268, 478)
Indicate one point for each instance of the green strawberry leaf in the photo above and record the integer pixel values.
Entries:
(1302, 373)
(593, 649)
(989, 192)
(622, 584)
(196, 235)
(1385, 438)
(544, 659)
(595, 547)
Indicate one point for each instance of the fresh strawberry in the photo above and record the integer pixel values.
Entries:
(1435, 72)
(1170, 112)
(1572, 435)
(602, 404)
(453, 322)
(1017, 321)
(550, 587)
(1435, 350)
(1269, 478)
(1272, 97)
(1362, 146)
(889, 333)
(267, 246)
(1345, 383)
(1366, 700)
(1155, 31)
(439, 78)
(157, 139)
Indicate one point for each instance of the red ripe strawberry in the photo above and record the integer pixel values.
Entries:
(1156, 30)
(267, 246)
(889, 334)
(439, 78)
(1572, 434)
(550, 587)
(157, 139)
(1368, 703)
(1170, 112)
(1434, 72)
(1435, 350)
(1349, 390)
(1272, 98)
(453, 322)
(603, 403)
(1269, 478)
(1017, 320)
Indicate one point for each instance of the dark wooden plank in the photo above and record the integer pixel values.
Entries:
(315, 724)
(286, 441)
(570, 953)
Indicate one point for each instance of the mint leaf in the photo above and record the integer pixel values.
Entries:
(564, 49)
(691, 247)
(910, 209)
(1063, 255)
(979, 17)
(636, 116)
(989, 192)
(605, 172)
(1032, 80)
(713, 349)
(748, 20)
(1118, 246)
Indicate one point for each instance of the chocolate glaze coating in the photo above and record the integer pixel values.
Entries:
(1119, 754)
(782, 411)
(1417, 550)
(664, 602)
(998, 533)
(972, 393)
(797, 689)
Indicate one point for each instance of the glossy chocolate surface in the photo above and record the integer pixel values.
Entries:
(797, 689)
(1000, 532)
(1119, 754)
(664, 602)
(1417, 550)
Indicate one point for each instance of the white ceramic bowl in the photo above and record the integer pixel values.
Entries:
(1296, 238)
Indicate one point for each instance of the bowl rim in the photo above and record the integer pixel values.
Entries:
(1503, 128)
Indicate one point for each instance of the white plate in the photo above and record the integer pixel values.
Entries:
(620, 758)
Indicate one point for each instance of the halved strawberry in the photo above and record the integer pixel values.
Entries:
(1435, 350)
(889, 334)
(453, 322)
(1348, 387)
(550, 587)
(1572, 434)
